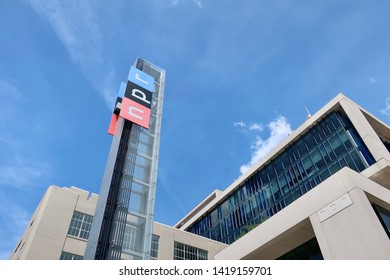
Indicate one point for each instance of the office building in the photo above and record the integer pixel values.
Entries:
(126, 200)
(322, 193)
(59, 227)
(123, 221)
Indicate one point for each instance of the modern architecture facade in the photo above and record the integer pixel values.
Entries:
(126, 200)
(323, 193)
(59, 227)
(174, 244)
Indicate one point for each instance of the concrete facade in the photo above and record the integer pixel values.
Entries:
(340, 213)
(337, 212)
(168, 235)
(45, 238)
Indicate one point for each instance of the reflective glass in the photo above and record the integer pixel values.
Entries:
(80, 225)
(321, 152)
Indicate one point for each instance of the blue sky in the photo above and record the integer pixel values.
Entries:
(239, 75)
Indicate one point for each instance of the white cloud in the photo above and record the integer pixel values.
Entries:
(373, 80)
(8, 89)
(14, 219)
(21, 172)
(386, 110)
(279, 130)
(243, 127)
(77, 27)
(198, 3)
(240, 124)
(256, 126)
(11, 98)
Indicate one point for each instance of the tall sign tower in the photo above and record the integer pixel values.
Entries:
(122, 225)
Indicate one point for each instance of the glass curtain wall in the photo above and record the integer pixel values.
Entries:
(132, 232)
(124, 214)
(327, 147)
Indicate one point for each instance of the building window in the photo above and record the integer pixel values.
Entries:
(80, 225)
(384, 217)
(154, 249)
(187, 252)
(318, 154)
(129, 238)
(69, 256)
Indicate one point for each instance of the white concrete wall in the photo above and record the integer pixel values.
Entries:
(47, 237)
(353, 233)
(168, 235)
(365, 130)
(349, 232)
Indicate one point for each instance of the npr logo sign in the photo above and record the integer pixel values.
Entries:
(137, 100)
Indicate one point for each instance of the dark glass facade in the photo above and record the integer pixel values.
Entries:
(384, 217)
(307, 251)
(323, 150)
(387, 145)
